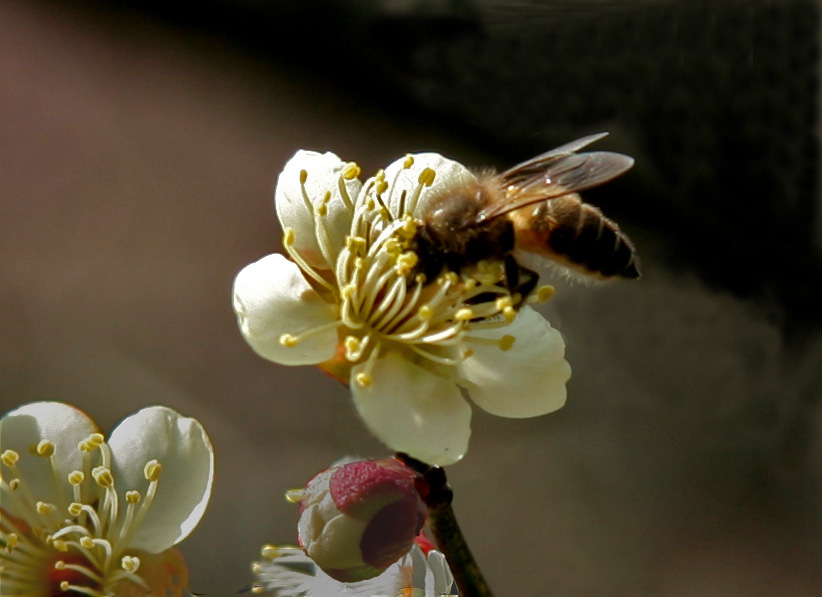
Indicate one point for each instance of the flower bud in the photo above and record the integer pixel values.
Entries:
(358, 518)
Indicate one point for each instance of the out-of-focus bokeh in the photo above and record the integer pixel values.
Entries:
(139, 144)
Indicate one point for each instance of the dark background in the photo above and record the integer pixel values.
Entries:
(139, 144)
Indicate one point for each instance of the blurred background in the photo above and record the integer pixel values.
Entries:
(139, 145)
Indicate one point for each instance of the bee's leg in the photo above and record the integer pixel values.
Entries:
(511, 272)
(520, 280)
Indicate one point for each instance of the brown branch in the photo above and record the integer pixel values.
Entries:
(437, 495)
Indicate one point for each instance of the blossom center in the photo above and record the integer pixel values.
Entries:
(383, 302)
(73, 537)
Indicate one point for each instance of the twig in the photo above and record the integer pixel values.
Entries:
(437, 495)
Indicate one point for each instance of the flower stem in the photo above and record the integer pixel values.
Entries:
(437, 495)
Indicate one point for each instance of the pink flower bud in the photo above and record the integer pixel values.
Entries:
(358, 518)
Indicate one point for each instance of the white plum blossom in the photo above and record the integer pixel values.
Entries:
(289, 572)
(84, 515)
(349, 297)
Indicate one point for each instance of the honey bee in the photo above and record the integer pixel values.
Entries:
(532, 207)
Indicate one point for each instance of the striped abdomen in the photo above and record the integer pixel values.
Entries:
(576, 235)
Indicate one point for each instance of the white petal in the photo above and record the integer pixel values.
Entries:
(272, 298)
(442, 578)
(448, 174)
(527, 380)
(182, 447)
(412, 410)
(61, 424)
(323, 175)
(339, 544)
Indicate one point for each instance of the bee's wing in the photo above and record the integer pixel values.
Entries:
(556, 173)
(543, 159)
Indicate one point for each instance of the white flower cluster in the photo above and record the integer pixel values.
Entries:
(348, 298)
(288, 572)
(86, 515)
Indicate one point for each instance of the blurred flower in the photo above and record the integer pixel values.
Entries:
(288, 572)
(359, 518)
(351, 300)
(83, 515)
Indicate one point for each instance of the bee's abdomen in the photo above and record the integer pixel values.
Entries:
(577, 234)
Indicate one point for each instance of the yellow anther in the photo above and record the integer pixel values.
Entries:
(427, 177)
(270, 552)
(406, 262)
(133, 497)
(351, 171)
(60, 545)
(425, 313)
(347, 291)
(364, 379)
(44, 508)
(359, 263)
(92, 442)
(408, 229)
(420, 278)
(11, 541)
(288, 236)
(503, 302)
(59, 565)
(14, 484)
(45, 448)
(464, 314)
(303, 176)
(65, 586)
(76, 477)
(352, 346)
(392, 247)
(506, 342)
(450, 277)
(75, 508)
(544, 293)
(130, 563)
(322, 206)
(355, 244)
(103, 476)
(469, 352)
(381, 187)
(152, 470)
(408, 162)
(370, 205)
(294, 496)
(87, 542)
(289, 340)
(489, 272)
(10, 458)
(509, 313)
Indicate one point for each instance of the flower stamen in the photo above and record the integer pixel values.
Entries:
(426, 179)
(542, 294)
(291, 340)
(51, 546)
(296, 257)
(151, 472)
(365, 377)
